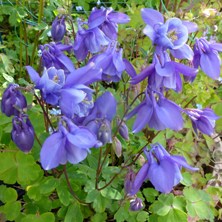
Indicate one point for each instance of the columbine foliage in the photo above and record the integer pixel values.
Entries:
(73, 82)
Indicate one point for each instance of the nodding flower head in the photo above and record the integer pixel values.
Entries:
(58, 28)
(13, 101)
(23, 134)
(202, 120)
(162, 169)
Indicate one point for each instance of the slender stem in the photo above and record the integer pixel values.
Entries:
(41, 9)
(190, 102)
(37, 139)
(45, 113)
(123, 167)
(72, 26)
(115, 133)
(98, 168)
(70, 188)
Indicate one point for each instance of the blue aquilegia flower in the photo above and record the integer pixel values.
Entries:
(206, 56)
(69, 144)
(22, 134)
(76, 98)
(99, 119)
(171, 35)
(52, 56)
(13, 101)
(111, 62)
(164, 73)
(50, 83)
(162, 169)
(107, 20)
(157, 112)
(58, 28)
(88, 40)
(202, 120)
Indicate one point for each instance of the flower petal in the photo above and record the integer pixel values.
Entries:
(151, 16)
(139, 179)
(53, 151)
(162, 175)
(210, 64)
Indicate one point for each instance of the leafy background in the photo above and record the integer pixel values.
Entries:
(28, 193)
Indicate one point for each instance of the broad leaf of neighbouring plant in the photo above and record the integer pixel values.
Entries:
(7, 194)
(198, 204)
(74, 213)
(19, 167)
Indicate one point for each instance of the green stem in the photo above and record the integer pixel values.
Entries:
(100, 166)
(71, 190)
(44, 112)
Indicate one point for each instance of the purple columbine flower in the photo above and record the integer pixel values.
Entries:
(52, 56)
(107, 20)
(206, 56)
(203, 120)
(99, 119)
(164, 73)
(50, 83)
(157, 112)
(88, 40)
(58, 28)
(13, 101)
(111, 62)
(76, 97)
(69, 144)
(172, 34)
(22, 134)
(162, 169)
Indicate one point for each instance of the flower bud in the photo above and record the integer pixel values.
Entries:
(58, 28)
(129, 180)
(136, 204)
(22, 133)
(123, 129)
(105, 132)
(117, 147)
(13, 101)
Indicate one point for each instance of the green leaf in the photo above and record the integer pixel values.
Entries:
(122, 214)
(63, 192)
(150, 194)
(74, 213)
(200, 209)
(11, 210)
(191, 194)
(142, 216)
(99, 204)
(8, 78)
(7, 64)
(92, 195)
(33, 192)
(99, 217)
(20, 167)
(8, 194)
(111, 193)
(49, 217)
(174, 215)
(187, 179)
(48, 185)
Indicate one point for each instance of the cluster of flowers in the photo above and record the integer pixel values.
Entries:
(85, 123)
(158, 112)
(13, 104)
